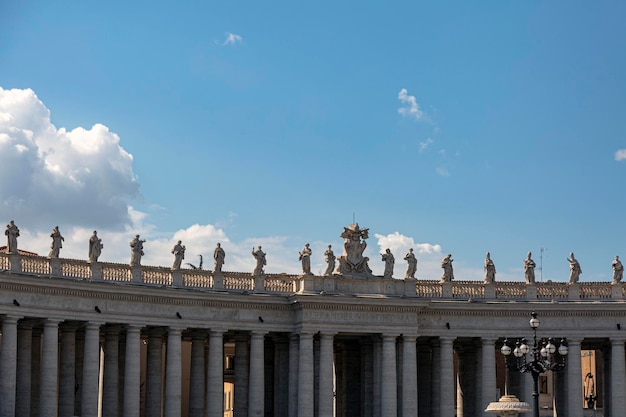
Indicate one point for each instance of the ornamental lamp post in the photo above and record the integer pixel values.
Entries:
(544, 356)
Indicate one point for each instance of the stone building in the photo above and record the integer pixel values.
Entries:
(89, 339)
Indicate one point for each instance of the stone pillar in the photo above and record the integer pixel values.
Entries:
(91, 371)
(132, 372)
(424, 381)
(23, 377)
(574, 381)
(281, 376)
(377, 366)
(409, 376)
(48, 391)
(173, 372)
(197, 387)
(241, 374)
(446, 369)
(326, 392)
(8, 366)
(215, 374)
(154, 360)
(305, 376)
(110, 389)
(389, 393)
(67, 371)
(294, 353)
(618, 378)
(489, 389)
(256, 390)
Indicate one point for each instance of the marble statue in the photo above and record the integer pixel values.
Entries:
(329, 255)
(574, 269)
(389, 263)
(179, 254)
(12, 233)
(448, 272)
(412, 264)
(57, 243)
(529, 269)
(136, 251)
(352, 261)
(261, 261)
(618, 270)
(490, 270)
(95, 247)
(218, 256)
(305, 258)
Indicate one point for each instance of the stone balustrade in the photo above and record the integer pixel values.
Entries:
(285, 284)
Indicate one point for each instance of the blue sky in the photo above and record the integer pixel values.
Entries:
(463, 127)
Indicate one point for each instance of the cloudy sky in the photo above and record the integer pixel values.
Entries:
(454, 127)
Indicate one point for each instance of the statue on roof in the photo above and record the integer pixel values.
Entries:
(389, 261)
(490, 270)
(12, 233)
(618, 270)
(95, 247)
(57, 243)
(353, 262)
(305, 258)
(574, 269)
(136, 251)
(329, 255)
(412, 264)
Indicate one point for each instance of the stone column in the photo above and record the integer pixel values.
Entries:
(377, 366)
(154, 373)
(197, 387)
(446, 370)
(409, 375)
(132, 372)
(215, 374)
(294, 361)
(8, 366)
(256, 402)
(389, 387)
(618, 378)
(574, 379)
(305, 376)
(67, 370)
(110, 390)
(326, 392)
(91, 371)
(35, 371)
(489, 389)
(48, 391)
(23, 377)
(173, 372)
(241, 374)
(281, 375)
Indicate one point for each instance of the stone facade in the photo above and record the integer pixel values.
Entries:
(309, 346)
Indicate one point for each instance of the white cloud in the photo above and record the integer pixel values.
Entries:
(443, 172)
(231, 39)
(428, 255)
(425, 144)
(620, 154)
(55, 176)
(410, 107)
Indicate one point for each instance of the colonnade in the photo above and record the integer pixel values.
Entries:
(53, 367)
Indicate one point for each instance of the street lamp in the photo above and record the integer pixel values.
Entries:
(544, 356)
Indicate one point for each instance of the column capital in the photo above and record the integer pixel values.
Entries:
(411, 336)
(328, 335)
(389, 337)
(488, 340)
(93, 325)
(306, 335)
(257, 334)
(616, 340)
(10, 319)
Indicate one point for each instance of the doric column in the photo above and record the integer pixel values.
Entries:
(489, 389)
(409, 376)
(35, 371)
(256, 402)
(132, 372)
(67, 370)
(241, 374)
(215, 374)
(305, 376)
(173, 372)
(48, 392)
(435, 372)
(8, 366)
(281, 372)
(294, 361)
(446, 369)
(574, 379)
(377, 366)
(91, 371)
(197, 388)
(618, 378)
(154, 374)
(23, 377)
(110, 389)
(389, 389)
(326, 393)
